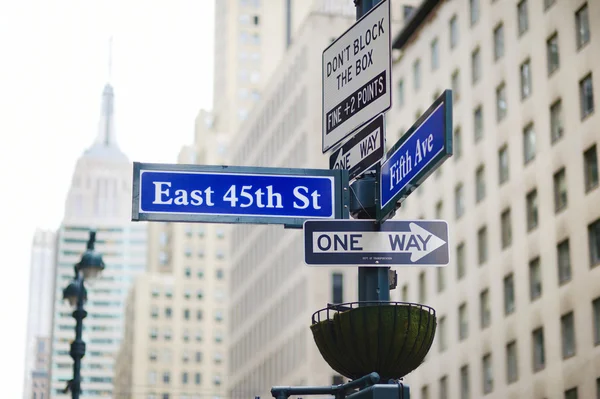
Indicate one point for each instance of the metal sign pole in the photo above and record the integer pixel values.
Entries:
(373, 282)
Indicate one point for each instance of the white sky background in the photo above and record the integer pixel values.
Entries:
(53, 66)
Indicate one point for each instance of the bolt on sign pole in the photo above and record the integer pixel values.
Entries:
(373, 282)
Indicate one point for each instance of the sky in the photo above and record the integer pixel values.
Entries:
(53, 66)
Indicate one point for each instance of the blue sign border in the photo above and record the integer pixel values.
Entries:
(341, 196)
(445, 99)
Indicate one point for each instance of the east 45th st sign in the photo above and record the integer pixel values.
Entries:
(366, 243)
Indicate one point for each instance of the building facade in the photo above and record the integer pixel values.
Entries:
(518, 307)
(99, 198)
(39, 315)
(176, 330)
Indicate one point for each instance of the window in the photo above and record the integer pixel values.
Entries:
(499, 42)
(442, 334)
(571, 393)
(153, 333)
(532, 209)
(475, 65)
(503, 168)
(337, 380)
(441, 279)
(506, 228)
(459, 205)
(525, 69)
(479, 184)
(586, 95)
(166, 377)
(594, 240)
(435, 54)
(184, 378)
(464, 382)
(582, 22)
(153, 355)
(485, 315)
(501, 106)
(529, 143)
(188, 272)
(556, 121)
(337, 287)
(512, 370)
(198, 357)
(509, 294)
(197, 379)
(535, 279)
(567, 328)
(199, 294)
(560, 190)
(457, 143)
(439, 209)
(590, 167)
(474, 11)
(455, 85)
(482, 251)
(478, 123)
(552, 56)
(463, 323)
(523, 18)
(488, 376)
(168, 312)
(401, 93)
(154, 312)
(443, 385)
(539, 356)
(219, 274)
(453, 31)
(199, 314)
(424, 392)
(417, 75)
(596, 318)
(405, 293)
(151, 377)
(564, 261)
(460, 260)
(548, 4)
(422, 288)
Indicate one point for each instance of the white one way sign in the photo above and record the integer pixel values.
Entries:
(364, 243)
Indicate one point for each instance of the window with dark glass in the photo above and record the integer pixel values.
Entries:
(532, 209)
(525, 73)
(571, 393)
(556, 121)
(567, 327)
(482, 247)
(463, 323)
(594, 242)
(535, 279)
(480, 184)
(475, 65)
(539, 355)
(552, 56)
(485, 312)
(499, 41)
(529, 143)
(590, 167)
(586, 96)
(560, 190)
(488, 374)
(503, 167)
(464, 382)
(522, 17)
(453, 31)
(596, 320)
(460, 260)
(582, 24)
(501, 106)
(478, 123)
(564, 262)
(506, 229)
(337, 287)
(509, 294)
(512, 368)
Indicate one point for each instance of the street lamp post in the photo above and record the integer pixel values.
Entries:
(89, 267)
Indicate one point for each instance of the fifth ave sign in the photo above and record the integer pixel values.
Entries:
(356, 75)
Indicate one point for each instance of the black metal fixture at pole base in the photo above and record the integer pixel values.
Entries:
(88, 268)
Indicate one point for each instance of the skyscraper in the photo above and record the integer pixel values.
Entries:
(39, 315)
(100, 198)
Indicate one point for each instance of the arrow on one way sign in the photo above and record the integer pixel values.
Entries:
(361, 242)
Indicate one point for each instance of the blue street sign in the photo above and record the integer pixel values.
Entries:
(228, 194)
(421, 150)
(368, 243)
